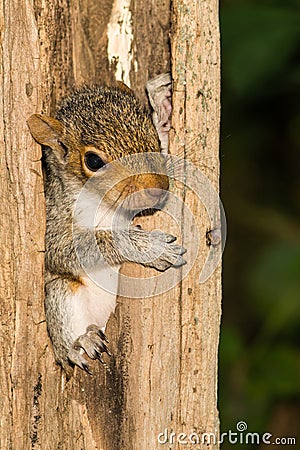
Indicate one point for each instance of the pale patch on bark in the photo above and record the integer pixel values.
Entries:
(120, 37)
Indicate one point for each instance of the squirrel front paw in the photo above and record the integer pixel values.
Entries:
(164, 253)
(92, 344)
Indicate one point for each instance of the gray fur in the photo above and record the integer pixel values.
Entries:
(113, 121)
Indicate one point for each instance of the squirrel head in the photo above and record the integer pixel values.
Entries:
(104, 134)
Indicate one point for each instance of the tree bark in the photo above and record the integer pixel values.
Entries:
(169, 342)
(162, 374)
(196, 120)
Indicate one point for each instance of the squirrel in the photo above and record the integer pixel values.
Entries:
(91, 144)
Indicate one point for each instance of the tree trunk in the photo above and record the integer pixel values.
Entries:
(162, 374)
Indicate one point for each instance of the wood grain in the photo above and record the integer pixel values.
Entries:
(163, 370)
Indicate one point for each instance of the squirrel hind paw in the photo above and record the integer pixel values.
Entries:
(98, 330)
(92, 344)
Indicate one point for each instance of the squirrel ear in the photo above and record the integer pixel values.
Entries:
(123, 86)
(45, 130)
(160, 96)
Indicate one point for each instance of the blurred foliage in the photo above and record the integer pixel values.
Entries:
(260, 158)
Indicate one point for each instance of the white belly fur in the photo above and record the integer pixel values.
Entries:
(94, 301)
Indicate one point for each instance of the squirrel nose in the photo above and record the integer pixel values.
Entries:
(155, 183)
(163, 183)
(156, 187)
(149, 189)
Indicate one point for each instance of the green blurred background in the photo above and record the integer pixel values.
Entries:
(260, 189)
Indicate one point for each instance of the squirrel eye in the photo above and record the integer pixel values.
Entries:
(93, 161)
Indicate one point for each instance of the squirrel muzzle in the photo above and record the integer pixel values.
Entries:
(144, 191)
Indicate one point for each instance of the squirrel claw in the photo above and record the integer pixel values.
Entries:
(105, 349)
(99, 357)
(101, 348)
(77, 359)
(170, 238)
(180, 262)
(98, 330)
(92, 344)
(86, 368)
(102, 335)
(170, 256)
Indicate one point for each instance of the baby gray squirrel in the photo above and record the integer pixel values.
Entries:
(91, 144)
